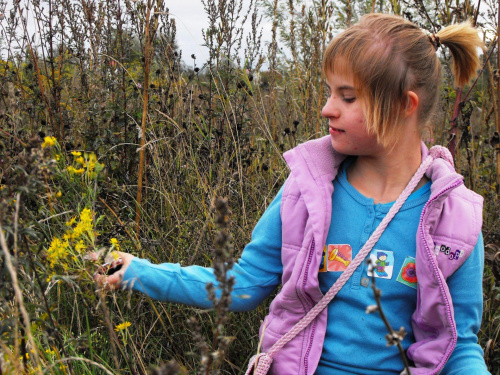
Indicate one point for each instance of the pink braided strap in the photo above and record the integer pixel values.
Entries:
(311, 315)
(442, 152)
(259, 364)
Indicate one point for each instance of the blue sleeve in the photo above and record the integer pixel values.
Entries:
(257, 273)
(466, 289)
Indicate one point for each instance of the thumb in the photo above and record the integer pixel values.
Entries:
(115, 279)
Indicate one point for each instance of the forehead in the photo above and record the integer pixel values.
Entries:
(335, 80)
(339, 72)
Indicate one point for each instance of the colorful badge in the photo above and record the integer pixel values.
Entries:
(339, 257)
(324, 262)
(383, 263)
(446, 250)
(407, 275)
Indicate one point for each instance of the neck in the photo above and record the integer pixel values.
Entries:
(384, 176)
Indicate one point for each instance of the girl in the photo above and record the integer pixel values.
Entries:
(383, 76)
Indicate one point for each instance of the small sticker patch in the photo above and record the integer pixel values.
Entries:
(339, 257)
(407, 274)
(383, 264)
(324, 263)
(446, 250)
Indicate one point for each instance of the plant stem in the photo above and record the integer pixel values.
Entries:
(498, 95)
(147, 63)
(17, 291)
(377, 293)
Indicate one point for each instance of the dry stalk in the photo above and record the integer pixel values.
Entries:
(149, 37)
(498, 96)
(393, 337)
(18, 293)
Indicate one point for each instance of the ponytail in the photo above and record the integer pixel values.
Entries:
(462, 40)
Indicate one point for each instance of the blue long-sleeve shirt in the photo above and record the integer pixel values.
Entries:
(354, 342)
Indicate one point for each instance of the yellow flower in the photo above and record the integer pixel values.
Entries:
(80, 160)
(71, 222)
(49, 142)
(114, 243)
(86, 216)
(58, 157)
(72, 170)
(50, 352)
(80, 246)
(85, 224)
(57, 251)
(123, 326)
(76, 153)
(58, 194)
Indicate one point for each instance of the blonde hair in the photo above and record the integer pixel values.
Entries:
(389, 56)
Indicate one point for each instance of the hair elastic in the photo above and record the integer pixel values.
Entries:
(434, 39)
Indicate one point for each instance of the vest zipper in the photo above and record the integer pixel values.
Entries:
(435, 268)
(311, 302)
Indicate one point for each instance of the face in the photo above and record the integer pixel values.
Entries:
(346, 120)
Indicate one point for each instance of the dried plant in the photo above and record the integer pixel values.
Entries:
(394, 338)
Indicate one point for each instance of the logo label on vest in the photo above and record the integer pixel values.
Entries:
(336, 258)
(383, 264)
(446, 251)
(407, 274)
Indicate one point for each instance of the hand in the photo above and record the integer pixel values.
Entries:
(110, 274)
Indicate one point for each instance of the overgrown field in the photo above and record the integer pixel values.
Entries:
(114, 137)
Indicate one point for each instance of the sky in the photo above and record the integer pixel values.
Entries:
(191, 19)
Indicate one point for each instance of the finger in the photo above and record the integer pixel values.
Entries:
(99, 278)
(93, 256)
(115, 279)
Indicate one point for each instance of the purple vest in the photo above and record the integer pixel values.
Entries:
(453, 216)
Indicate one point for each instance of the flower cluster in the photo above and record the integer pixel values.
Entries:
(49, 142)
(73, 243)
(122, 326)
(114, 244)
(85, 163)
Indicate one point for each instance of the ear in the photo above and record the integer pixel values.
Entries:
(412, 102)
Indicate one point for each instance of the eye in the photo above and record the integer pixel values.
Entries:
(349, 99)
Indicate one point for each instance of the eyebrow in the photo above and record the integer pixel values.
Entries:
(340, 88)
(345, 87)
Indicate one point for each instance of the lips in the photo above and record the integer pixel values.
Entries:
(336, 131)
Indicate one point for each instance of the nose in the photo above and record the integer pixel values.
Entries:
(330, 109)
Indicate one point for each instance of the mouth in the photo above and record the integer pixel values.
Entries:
(336, 131)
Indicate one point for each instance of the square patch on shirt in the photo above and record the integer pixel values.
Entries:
(339, 257)
(407, 274)
(383, 264)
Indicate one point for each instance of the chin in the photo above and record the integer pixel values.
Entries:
(346, 150)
